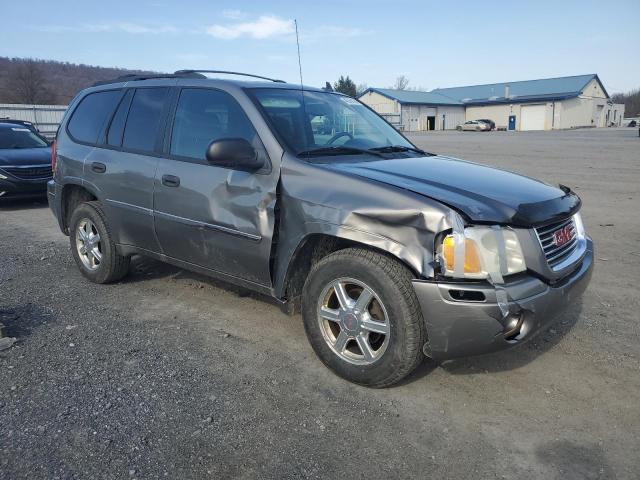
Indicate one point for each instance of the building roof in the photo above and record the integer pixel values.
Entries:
(523, 91)
(528, 90)
(414, 97)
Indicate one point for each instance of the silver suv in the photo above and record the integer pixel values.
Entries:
(389, 252)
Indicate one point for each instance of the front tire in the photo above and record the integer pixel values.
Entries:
(362, 317)
(93, 247)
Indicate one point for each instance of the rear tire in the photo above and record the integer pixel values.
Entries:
(390, 323)
(93, 247)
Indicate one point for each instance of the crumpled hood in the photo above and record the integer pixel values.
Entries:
(483, 194)
(25, 156)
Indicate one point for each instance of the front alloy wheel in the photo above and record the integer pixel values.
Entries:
(362, 316)
(353, 321)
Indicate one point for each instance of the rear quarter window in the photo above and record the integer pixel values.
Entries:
(90, 116)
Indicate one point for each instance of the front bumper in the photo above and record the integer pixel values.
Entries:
(15, 187)
(457, 327)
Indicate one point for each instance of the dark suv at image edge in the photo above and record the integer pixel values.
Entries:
(25, 160)
(390, 253)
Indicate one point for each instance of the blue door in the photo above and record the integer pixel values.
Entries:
(512, 122)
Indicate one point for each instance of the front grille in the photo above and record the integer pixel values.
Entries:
(556, 254)
(29, 173)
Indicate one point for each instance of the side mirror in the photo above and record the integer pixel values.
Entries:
(235, 153)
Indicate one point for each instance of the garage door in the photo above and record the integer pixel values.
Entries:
(532, 117)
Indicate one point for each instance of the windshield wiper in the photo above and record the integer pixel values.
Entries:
(338, 150)
(398, 148)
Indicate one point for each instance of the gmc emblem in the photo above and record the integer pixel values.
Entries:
(562, 236)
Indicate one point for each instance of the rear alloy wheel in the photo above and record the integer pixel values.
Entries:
(88, 244)
(362, 317)
(93, 247)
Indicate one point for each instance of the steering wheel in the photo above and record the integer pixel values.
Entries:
(339, 135)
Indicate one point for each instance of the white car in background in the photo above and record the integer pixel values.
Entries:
(474, 126)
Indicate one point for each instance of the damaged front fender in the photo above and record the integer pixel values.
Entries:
(315, 200)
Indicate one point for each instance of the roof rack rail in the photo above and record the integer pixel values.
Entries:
(132, 77)
(183, 72)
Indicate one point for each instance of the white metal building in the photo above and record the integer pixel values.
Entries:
(414, 111)
(545, 104)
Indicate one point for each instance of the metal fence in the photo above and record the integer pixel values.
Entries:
(46, 118)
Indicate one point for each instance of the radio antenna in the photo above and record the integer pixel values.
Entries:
(304, 106)
(295, 21)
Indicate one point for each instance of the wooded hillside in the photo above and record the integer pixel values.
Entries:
(32, 81)
(49, 82)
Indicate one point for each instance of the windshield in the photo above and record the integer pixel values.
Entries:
(19, 137)
(327, 123)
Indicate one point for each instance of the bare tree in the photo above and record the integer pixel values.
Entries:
(26, 83)
(402, 83)
(58, 82)
(631, 102)
(361, 88)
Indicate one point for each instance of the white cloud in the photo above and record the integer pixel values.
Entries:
(233, 14)
(264, 27)
(135, 28)
(267, 26)
(324, 31)
(132, 28)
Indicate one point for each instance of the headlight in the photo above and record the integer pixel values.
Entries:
(481, 254)
(580, 232)
(2, 177)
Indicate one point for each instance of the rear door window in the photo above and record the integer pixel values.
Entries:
(144, 119)
(91, 115)
(205, 115)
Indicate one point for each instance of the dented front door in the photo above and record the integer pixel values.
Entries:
(214, 217)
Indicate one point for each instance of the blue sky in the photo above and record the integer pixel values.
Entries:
(434, 43)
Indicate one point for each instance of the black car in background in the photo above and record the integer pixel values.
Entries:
(491, 123)
(22, 123)
(25, 161)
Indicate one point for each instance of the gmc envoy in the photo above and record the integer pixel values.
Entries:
(390, 253)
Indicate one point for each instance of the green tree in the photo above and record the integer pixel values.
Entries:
(345, 85)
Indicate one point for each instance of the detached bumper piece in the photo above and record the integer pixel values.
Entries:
(463, 319)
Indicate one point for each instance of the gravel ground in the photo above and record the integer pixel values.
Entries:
(172, 375)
